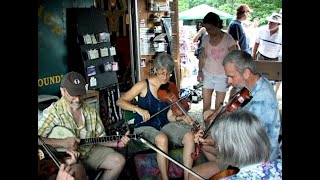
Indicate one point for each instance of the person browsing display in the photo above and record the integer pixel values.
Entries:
(164, 127)
(73, 119)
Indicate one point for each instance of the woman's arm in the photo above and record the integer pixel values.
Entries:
(196, 37)
(125, 100)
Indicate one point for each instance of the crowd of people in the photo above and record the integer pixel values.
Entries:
(245, 137)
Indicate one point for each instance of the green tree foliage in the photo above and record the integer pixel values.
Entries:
(183, 5)
(261, 8)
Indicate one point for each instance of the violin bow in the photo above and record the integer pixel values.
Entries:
(53, 157)
(223, 109)
(166, 107)
(171, 159)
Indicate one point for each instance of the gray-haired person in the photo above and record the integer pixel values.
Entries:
(165, 126)
(242, 141)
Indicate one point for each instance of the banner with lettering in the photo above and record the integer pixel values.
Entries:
(52, 45)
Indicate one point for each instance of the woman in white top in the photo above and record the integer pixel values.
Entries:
(215, 46)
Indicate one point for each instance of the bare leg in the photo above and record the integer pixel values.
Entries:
(219, 98)
(188, 148)
(207, 95)
(206, 170)
(113, 164)
(161, 141)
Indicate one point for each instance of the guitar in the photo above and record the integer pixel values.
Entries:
(62, 132)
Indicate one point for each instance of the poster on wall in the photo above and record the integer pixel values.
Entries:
(146, 46)
(52, 46)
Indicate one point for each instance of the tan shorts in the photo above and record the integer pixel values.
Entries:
(96, 157)
(217, 82)
(174, 130)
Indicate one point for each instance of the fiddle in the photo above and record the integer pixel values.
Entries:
(226, 173)
(169, 93)
(48, 167)
(239, 99)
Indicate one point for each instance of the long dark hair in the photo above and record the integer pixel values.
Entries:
(214, 19)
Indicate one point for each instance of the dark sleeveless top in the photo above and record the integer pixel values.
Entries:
(153, 105)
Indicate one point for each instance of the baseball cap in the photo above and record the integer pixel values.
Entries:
(74, 83)
(275, 17)
(244, 8)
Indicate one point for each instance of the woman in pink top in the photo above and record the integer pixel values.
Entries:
(215, 46)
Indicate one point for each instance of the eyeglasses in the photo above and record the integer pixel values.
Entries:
(163, 74)
(71, 98)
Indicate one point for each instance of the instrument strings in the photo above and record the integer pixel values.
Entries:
(53, 157)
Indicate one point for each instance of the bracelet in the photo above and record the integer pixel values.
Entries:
(117, 146)
(199, 71)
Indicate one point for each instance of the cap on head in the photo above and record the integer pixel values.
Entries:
(275, 17)
(74, 83)
(243, 8)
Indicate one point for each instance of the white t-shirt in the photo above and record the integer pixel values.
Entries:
(269, 46)
(216, 54)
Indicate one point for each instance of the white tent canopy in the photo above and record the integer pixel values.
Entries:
(200, 11)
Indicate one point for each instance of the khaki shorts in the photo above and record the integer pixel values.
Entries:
(96, 157)
(216, 82)
(174, 130)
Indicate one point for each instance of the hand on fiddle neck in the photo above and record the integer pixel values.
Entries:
(73, 158)
(211, 114)
(207, 114)
(198, 138)
(124, 140)
(198, 135)
(186, 119)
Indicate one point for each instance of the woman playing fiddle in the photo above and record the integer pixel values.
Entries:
(165, 126)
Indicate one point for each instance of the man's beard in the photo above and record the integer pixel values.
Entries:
(240, 86)
(75, 106)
